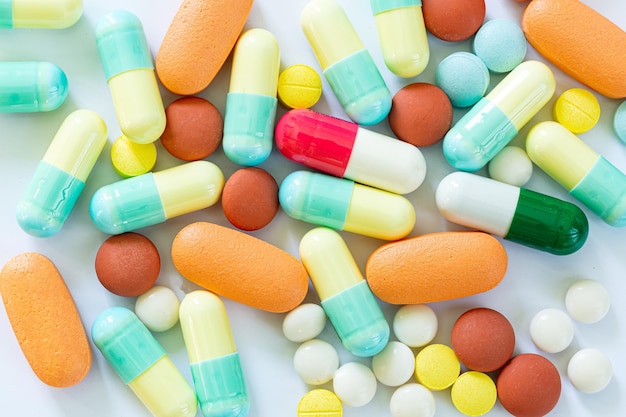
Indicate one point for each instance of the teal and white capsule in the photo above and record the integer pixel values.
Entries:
(346, 298)
(40, 14)
(31, 86)
(516, 214)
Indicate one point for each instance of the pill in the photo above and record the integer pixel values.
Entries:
(619, 122)
(250, 198)
(517, 214)
(577, 109)
(304, 322)
(60, 176)
(551, 330)
(500, 44)
(346, 64)
(412, 400)
(129, 71)
(214, 360)
(415, 325)
(342, 204)
(463, 77)
(589, 370)
(316, 361)
(299, 87)
(437, 367)
(511, 166)
(193, 129)
(586, 175)
(45, 320)
(239, 266)
(31, 87)
(529, 385)
(341, 288)
(354, 384)
(402, 36)
(587, 301)
(393, 366)
(474, 393)
(579, 41)
(421, 114)
(127, 264)
(142, 363)
(343, 149)
(251, 100)
(453, 20)
(483, 339)
(152, 198)
(497, 118)
(157, 308)
(320, 402)
(56, 14)
(436, 267)
(130, 159)
(197, 42)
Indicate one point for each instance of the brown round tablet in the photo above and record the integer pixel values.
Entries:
(128, 264)
(421, 114)
(529, 386)
(483, 339)
(453, 20)
(193, 129)
(250, 198)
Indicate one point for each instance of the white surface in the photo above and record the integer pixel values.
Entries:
(534, 280)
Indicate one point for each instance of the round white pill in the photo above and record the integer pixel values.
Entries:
(587, 301)
(415, 325)
(354, 384)
(304, 322)
(316, 361)
(551, 330)
(158, 308)
(394, 365)
(511, 166)
(412, 400)
(589, 370)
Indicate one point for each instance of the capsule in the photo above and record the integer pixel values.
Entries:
(31, 87)
(402, 35)
(497, 118)
(516, 214)
(342, 204)
(142, 363)
(40, 14)
(130, 75)
(215, 365)
(343, 149)
(60, 176)
(152, 198)
(586, 175)
(346, 298)
(347, 65)
(251, 100)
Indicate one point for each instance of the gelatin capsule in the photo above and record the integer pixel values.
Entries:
(40, 14)
(31, 87)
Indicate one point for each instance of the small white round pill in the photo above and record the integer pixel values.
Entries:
(511, 166)
(415, 325)
(589, 370)
(304, 322)
(316, 361)
(158, 308)
(587, 301)
(354, 384)
(412, 400)
(394, 365)
(551, 330)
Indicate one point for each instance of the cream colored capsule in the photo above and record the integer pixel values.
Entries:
(40, 14)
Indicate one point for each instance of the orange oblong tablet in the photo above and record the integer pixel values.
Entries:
(436, 267)
(45, 320)
(240, 267)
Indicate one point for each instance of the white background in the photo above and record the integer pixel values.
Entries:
(534, 280)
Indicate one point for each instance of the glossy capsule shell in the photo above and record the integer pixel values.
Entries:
(40, 14)
(402, 35)
(343, 149)
(497, 118)
(152, 198)
(342, 204)
(60, 176)
(31, 87)
(516, 214)
(585, 174)
(346, 298)
(346, 64)
(129, 71)
(251, 100)
(215, 365)
(142, 363)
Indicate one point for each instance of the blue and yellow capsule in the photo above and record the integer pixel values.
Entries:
(31, 86)
(40, 14)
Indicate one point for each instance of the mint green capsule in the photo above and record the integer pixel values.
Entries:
(27, 87)
(40, 14)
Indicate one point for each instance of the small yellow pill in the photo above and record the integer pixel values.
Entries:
(320, 403)
(299, 87)
(131, 159)
(474, 393)
(437, 367)
(577, 109)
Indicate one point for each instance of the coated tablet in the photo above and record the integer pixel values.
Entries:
(316, 361)
(415, 324)
(393, 366)
(587, 301)
(304, 322)
(412, 400)
(354, 384)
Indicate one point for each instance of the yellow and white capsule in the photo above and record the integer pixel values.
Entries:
(40, 14)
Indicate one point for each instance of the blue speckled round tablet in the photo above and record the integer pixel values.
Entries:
(501, 44)
(463, 77)
(619, 122)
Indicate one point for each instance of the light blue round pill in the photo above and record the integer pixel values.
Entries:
(501, 44)
(619, 122)
(463, 77)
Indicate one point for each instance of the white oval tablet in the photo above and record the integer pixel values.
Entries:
(412, 400)
(316, 361)
(415, 325)
(587, 301)
(394, 365)
(354, 384)
(304, 322)
(589, 370)
(158, 308)
(551, 330)
(511, 166)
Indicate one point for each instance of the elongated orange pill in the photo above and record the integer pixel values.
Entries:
(436, 267)
(241, 267)
(45, 320)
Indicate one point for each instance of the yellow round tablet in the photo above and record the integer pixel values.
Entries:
(130, 159)
(299, 87)
(437, 367)
(320, 402)
(577, 109)
(474, 393)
